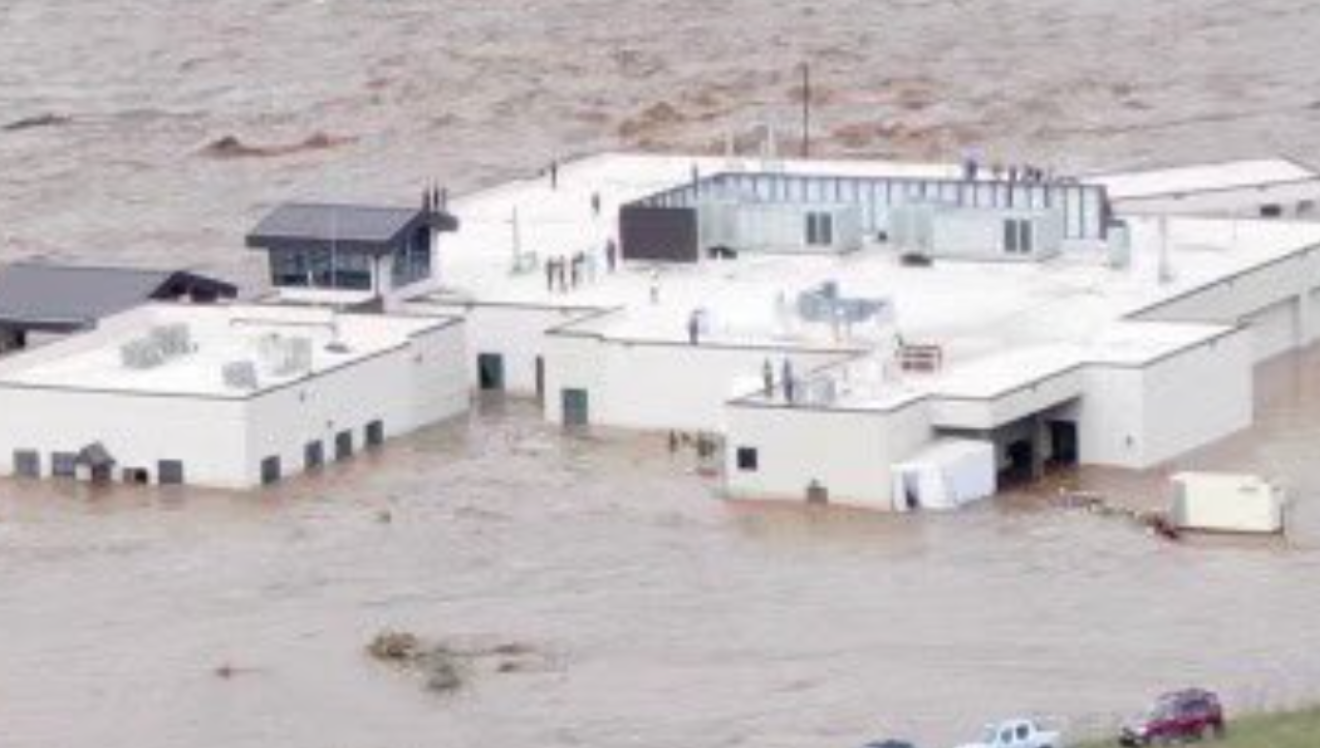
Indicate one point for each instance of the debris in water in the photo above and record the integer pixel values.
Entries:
(441, 668)
(446, 667)
(230, 146)
(41, 120)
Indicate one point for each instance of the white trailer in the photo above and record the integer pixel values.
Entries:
(1222, 502)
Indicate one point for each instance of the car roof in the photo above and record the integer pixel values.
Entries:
(1189, 693)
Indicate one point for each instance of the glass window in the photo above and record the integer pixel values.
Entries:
(748, 459)
(1010, 236)
(270, 470)
(64, 464)
(313, 455)
(375, 434)
(289, 268)
(169, 472)
(343, 445)
(27, 464)
(352, 271)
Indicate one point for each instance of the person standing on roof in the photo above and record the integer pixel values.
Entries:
(550, 275)
(595, 204)
(768, 379)
(655, 285)
(611, 254)
(554, 174)
(787, 374)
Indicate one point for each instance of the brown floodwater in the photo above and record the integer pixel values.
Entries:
(663, 615)
(155, 132)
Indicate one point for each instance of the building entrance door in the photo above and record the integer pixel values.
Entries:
(576, 404)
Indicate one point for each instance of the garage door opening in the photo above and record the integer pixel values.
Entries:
(1020, 459)
(1063, 444)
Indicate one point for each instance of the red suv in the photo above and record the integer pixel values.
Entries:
(1179, 716)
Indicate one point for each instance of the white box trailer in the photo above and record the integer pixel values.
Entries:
(946, 475)
(1224, 502)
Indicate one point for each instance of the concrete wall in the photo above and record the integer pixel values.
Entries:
(1244, 202)
(660, 386)
(517, 333)
(1139, 417)
(850, 453)
(1277, 299)
(421, 383)
(138, 430)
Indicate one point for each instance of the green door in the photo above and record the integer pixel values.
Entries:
(575, 407)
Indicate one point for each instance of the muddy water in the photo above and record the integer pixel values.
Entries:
(667, 617)
(368, 100)
(670, 618)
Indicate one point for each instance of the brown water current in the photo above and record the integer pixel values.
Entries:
(152, 132)
(666, 616)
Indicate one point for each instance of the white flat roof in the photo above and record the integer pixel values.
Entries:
(998, 323)
(1202, 178)
(220, 334)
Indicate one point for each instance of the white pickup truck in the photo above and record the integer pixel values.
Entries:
(1018, 733)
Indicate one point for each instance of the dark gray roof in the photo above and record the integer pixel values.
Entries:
(350, 227)
(70, 297)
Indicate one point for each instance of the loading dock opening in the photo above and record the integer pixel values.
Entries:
(1063, 443)
(490, 372)
(1019, 466)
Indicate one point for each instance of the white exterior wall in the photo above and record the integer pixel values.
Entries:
(651, 386)
(850, 453)
(978, 414)
(1244, 202)
(517, 333)
(1278, 298)
(1139, 417)
(208, 435)
(222, 440)
(979, 234)
(407, 388)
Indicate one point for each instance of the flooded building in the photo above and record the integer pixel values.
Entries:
(225, 396)
(895, 336)
(887, 334)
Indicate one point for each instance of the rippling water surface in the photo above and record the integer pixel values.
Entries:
(667, 617)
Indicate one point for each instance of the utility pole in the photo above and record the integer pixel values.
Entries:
(806, 110)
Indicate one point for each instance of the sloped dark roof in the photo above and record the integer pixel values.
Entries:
(70, 297)
(360, 228)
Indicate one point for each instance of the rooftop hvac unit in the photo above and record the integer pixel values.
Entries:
(173, 340)
(240, 375)
(824, 304)
(141, 354)
(283, 356)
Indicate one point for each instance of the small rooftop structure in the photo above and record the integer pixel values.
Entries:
(350, 254)
(351, 228)
(66, 298)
